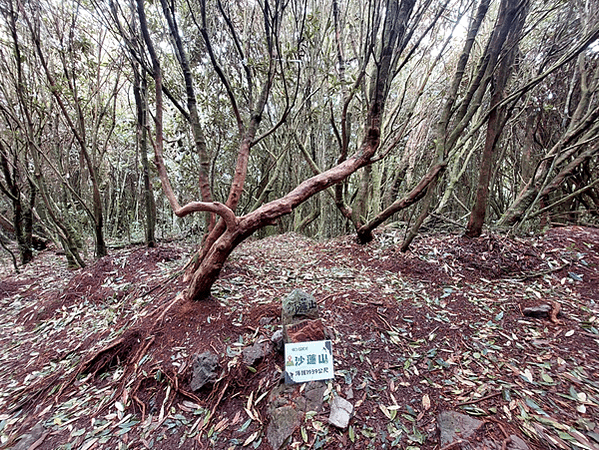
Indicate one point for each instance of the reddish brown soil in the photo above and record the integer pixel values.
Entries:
(438, 328)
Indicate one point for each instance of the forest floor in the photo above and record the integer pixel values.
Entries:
(438, 328)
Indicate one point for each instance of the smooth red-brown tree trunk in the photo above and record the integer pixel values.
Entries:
(238, 229)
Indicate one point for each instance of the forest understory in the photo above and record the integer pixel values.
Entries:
(440, 328)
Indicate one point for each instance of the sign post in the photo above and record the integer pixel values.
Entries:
(308, 361)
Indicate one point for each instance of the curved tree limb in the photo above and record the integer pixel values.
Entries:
(365, 231)
(214, 207)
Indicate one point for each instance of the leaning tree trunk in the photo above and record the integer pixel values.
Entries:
(239, 228)
(232, 230)
(444, 139)
(574, 143)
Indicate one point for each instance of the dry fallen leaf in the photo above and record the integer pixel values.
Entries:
(426, 402)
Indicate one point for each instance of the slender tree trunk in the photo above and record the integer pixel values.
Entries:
(78, 131)
(193, 118)
(22, 216)
(140, 91)
(513, 18)
(578, 131)
(444, 138)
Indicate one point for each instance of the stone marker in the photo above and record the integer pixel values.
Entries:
(299, 315)
(299, 304)
(341, 411)
(288, 404)
(203, 370)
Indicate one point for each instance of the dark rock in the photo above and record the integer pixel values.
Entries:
(36, 433)
(204, 370)
(277, 340)
(256, 352)
(287, 407)
(538, 311)
(266, 320)
(341, 411)
(314, 395)
(454, 427)
(283, 422)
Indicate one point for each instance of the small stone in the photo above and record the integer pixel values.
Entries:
(454, 426)
(538, 311)
(349, 393)
(266, 320)
(277, 340)
(203, 370)
(256, 352)
(341, 411)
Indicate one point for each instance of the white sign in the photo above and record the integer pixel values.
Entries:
(308, 361)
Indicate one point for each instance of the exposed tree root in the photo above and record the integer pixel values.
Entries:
(127, 351)
(555, 310)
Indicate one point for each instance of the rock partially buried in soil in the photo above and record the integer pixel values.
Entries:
(203, 370)
(305, 331)
(341, 411)
(27, 440)
(277, 340)
(455, 427)
(287, 407)
(538, 311)
(459, 430)
(284, 421)
(257, 352)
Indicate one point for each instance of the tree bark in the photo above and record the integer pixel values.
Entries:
(365, 232)
(193, 117)
(140, 91)
(512, 16)
(22, 216)
(79, 135)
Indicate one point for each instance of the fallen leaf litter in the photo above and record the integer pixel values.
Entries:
(439, 328)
